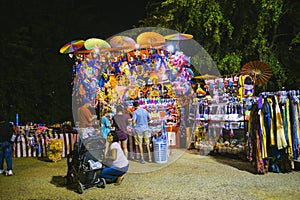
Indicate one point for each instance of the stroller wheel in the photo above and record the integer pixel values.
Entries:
(102, 183)
(80, 188)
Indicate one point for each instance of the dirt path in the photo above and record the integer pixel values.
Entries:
(186, 175)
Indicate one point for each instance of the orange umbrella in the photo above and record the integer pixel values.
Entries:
(260, 71)
(71, 46)
(96, 43)
(150, 39)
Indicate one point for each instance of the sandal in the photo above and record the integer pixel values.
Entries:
(119, 180)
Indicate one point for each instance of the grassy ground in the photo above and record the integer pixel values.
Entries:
(186, 175)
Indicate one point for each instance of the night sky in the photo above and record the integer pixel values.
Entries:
(32, 33)
(66, 20)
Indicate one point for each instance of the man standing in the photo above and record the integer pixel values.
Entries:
(140, 118)
(85, 117)
(6, 133)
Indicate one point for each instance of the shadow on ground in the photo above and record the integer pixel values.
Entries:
(60, 181)
(236, 162)
(242, 164)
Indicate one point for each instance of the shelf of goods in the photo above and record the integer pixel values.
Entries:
(219, 130)
(164, 115)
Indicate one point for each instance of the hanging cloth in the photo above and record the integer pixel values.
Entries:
(272, 136)
(283, 114)
(281, 142)
(249, 145)
(289, 130)
(267, 120)
(259, 160)
(263, 140)
(298, 120)
(295, 125)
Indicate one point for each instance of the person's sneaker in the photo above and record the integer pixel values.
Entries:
(102, 183)
(142, 161)
(119, 180)
(9, 173)
(131, 158)
(2, 171)
(150, 160)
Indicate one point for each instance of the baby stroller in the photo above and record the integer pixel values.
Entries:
(84, 162)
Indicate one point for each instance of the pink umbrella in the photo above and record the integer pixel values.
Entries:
(122, 41)
(178, 36)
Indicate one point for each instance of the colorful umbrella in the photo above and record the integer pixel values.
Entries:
(260, 71)
(96, 43)
(71, 46)
(122, 42)
(178, 36)
(150, 39)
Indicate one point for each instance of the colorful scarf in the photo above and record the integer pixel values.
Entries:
(295, 130)
(272, 136)
(281, 142)
(289, 134)
(263, 138)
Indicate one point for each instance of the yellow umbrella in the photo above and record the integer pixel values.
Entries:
(96, 43)
(206, 76)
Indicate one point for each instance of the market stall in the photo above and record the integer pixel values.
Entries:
(122, 70)
(215, 114)
(262, 129)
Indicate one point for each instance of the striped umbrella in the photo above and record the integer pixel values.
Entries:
(71, 46)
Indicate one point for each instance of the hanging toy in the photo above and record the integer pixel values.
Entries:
(231, 134)
(200, 92)
(215, 133)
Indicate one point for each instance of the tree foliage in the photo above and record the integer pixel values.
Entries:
(235, 32)
(35, 80)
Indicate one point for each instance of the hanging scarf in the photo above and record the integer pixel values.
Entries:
(289, 134)
(281, 142)
(259, 160)
(263, 141)
(298, 120)
(249, 142)
(295, 129)
(272, 136)
(267, 120)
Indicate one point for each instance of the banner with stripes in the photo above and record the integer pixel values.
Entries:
(35, 146)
